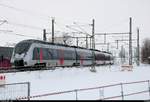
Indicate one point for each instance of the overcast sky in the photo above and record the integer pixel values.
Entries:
(109, 15)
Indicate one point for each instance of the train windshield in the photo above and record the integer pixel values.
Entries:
(22, 47)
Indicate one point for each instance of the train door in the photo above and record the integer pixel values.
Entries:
(81, 58)
(76, 58)
(38, 56)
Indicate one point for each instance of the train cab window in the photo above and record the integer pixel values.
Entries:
(22, 47)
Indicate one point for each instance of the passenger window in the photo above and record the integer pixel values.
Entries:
(46, 55)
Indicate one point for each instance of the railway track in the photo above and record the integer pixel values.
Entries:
(24, 69)
(38, 68)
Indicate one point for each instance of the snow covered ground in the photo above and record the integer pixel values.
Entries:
(49, 81)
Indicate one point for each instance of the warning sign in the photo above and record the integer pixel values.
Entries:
(2, 80)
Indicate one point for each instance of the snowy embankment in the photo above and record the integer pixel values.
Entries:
(49, 81)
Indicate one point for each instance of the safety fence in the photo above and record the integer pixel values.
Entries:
(119, 91)
(14, 90)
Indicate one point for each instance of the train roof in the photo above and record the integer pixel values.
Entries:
(101, 51)
(43, 42)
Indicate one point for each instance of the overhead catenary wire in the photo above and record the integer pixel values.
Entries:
(23, 25)
(61, 28)
(2, 22)
(6, 30)
(84, 24)
(45, 17)
(67, 26)
(23, 35)
(65, 32)
(82, 29)
(115, 24)
(111, 33)
(72, 28)
(60, 19)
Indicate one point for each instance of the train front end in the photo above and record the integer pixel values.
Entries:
(20, 52)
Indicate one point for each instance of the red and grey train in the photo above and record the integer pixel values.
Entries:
(35, 52)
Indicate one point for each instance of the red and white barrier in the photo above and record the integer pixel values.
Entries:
(127, 67)
(2, 80)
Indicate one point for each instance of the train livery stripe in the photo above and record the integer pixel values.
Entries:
(61, 60)
(41, 55)
(81, 59)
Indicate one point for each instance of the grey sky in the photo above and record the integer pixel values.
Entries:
(109, 15)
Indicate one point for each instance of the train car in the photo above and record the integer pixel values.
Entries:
(99, 57)
(103, 58)
(109, 58)
(84, 56)
(35, 52)
(5, 57)
(39, 53)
